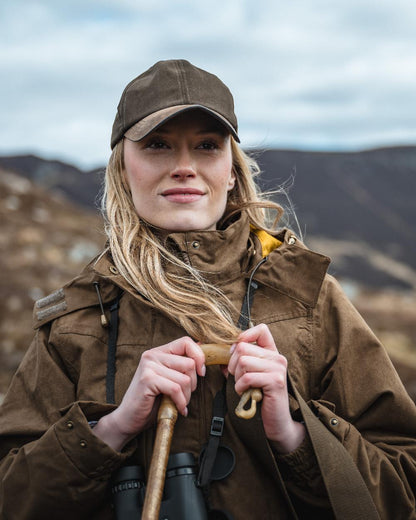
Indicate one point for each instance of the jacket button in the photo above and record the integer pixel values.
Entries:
(195, 244)
(70, 425)
(334, 421)
(292, 240)
(83, 444)
(113, 269)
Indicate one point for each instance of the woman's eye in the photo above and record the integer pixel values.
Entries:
(156, 144)
(208, 145)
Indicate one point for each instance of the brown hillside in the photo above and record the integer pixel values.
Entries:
(45, 241)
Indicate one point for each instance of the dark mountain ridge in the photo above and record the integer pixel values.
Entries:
(357, 207)
(81, 187)
(362, 198)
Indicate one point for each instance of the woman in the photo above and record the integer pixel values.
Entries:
(192, 259)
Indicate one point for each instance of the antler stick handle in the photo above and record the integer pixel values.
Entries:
(215, 354)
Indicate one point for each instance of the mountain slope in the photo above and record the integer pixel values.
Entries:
(357, 208)
(79, 186)
(45, 241)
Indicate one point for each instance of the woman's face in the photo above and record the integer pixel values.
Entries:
(181, 173)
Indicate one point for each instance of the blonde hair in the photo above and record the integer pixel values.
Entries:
(141, 256)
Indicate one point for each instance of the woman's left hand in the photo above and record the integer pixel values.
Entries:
(261, 366)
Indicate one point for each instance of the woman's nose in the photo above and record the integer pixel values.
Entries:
(183, 166)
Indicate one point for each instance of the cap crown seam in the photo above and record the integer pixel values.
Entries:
(182, 83)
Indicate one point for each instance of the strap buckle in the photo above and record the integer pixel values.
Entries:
(217, 426)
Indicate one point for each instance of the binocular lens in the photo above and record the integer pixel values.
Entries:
(182, 499)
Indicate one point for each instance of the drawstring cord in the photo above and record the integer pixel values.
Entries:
(104, 321)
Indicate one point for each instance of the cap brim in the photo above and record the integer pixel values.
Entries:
(153, 121)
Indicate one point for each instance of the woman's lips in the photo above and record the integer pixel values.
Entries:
(183, 195)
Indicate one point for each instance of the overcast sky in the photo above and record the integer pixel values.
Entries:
(305, 74)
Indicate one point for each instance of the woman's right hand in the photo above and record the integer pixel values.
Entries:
(171, 369)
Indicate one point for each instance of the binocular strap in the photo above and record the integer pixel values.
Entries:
(207, 460)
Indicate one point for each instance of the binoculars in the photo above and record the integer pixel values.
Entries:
(182, 499)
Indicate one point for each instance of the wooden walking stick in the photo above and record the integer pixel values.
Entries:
(215, 354)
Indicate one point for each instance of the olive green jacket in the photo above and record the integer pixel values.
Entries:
(52, 465)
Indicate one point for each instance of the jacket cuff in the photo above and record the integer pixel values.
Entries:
(300, 464)
(92, 457)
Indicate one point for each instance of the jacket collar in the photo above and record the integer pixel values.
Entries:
(224, 255)
(217, 254)
(220, 255)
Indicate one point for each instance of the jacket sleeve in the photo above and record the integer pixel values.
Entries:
(361, 400)
(51, 464)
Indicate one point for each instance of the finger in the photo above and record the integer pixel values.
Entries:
(176, 393)
(271, 364)
(259, 334)
(240, 358)
(243, 349)
(181, 364)
(185, 381)
(187, 347)
(153, 373)
(272, 385)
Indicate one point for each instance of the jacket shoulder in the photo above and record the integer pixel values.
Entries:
(79, 293)
(294, 270)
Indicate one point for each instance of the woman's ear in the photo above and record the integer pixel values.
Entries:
(231, 181)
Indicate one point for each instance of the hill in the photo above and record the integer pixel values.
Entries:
(45, 241)
(80, 187)
(356, 207)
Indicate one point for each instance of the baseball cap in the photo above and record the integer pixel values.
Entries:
(166, 89)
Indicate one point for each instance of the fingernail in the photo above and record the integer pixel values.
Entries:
(203, 370)
(185, 412)
(233, 347)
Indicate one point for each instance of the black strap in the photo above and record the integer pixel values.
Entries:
(220, 403)
(244, 321)
(245, 313)
(111, 353)
(219, 411)
(219, 408)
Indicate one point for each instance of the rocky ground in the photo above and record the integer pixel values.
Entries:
(45, 241)
(392, 316)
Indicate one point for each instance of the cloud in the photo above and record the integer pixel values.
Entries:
(304, 74)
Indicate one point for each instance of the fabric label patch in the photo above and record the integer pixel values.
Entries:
(50, 311)
(51, 298)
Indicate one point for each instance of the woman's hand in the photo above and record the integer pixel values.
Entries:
(261, 366)
(171, 369)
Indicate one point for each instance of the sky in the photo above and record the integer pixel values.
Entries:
(305, 74)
